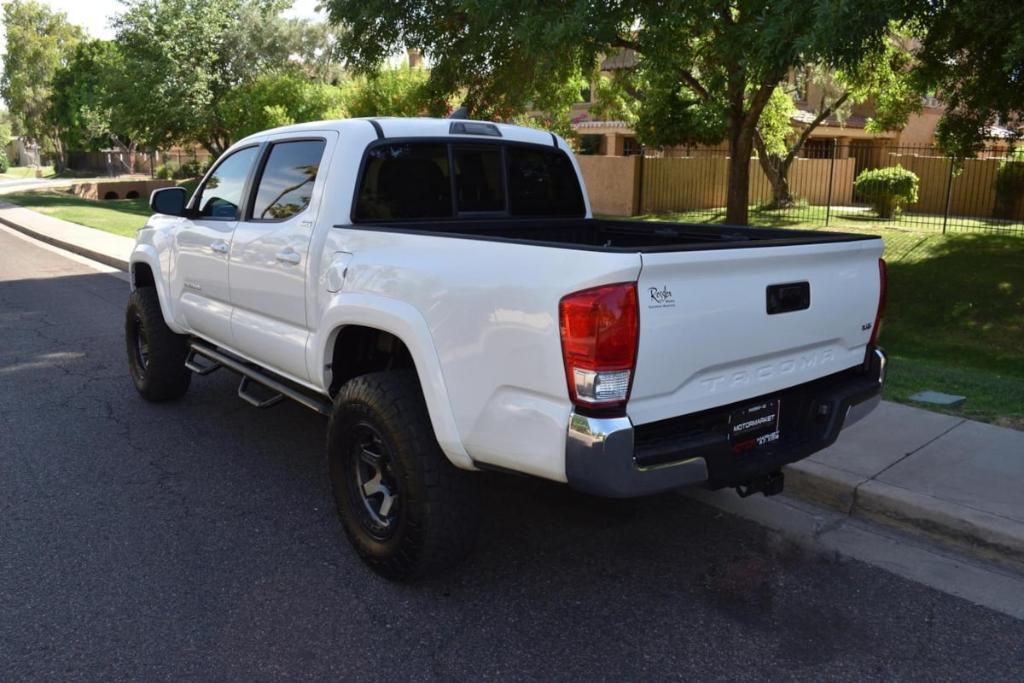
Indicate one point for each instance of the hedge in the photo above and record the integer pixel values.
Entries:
(888, 190)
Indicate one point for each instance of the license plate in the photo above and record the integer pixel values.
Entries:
(754, 422)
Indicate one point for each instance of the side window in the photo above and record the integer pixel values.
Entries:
(479, 179)
(542, 182)
(221, 194)
(286, 184)
(405, 182)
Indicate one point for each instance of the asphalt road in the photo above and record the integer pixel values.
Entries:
(197, 540)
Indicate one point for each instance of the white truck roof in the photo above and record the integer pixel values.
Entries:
(417, 127)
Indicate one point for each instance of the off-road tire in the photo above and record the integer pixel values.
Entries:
(159, 373)
(436, 516)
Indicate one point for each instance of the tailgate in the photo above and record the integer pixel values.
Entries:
(707, 338)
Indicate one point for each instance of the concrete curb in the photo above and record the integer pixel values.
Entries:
(984, 535)
(75, 247)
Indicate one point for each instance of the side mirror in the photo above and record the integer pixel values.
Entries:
(170, 201)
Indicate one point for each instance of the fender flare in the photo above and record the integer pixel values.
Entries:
(407, 323)
(147, 254)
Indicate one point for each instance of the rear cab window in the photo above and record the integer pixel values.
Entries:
(431, 179)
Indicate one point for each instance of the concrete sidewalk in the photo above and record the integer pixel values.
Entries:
(112, 250)
(957, 481)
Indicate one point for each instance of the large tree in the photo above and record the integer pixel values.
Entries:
(86, 104)
(187, 60)
(973, 57)
(706, 61)
(39, 41)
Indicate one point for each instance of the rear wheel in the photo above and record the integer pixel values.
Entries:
(405, 508)
(156, 355)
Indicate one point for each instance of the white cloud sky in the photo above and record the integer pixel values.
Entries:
(95, 15)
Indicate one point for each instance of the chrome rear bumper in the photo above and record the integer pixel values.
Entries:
(604, 455)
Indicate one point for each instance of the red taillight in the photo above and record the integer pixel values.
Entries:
(883, 291)
(600, 328)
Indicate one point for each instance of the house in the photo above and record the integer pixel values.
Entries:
(849, 137)
(22, 151)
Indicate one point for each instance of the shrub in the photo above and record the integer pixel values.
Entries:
(164, 172)
(4, 164)
(888, 190)
(193, 168)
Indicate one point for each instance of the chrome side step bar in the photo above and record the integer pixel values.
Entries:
(198, 368)
(251, 373)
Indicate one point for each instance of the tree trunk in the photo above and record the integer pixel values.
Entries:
(776, 169)
(60, 156)
(781, 196)
(741, 144)
(742, 127)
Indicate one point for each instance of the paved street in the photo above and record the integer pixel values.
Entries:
(197, 540)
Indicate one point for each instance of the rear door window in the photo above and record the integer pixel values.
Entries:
(286, 184)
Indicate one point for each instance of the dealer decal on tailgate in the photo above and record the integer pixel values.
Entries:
(754, 425)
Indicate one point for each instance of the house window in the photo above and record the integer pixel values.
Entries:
(630, 147)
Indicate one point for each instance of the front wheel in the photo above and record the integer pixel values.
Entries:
(405, 508)
(156, 355)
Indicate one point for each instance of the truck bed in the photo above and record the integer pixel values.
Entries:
(599, 234)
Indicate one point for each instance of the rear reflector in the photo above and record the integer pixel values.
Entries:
(883, 295)
(600, 331)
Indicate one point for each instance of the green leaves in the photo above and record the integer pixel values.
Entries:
(888, 189)
(774, 126)
(193, 61)
(972, 55)
(39, 42)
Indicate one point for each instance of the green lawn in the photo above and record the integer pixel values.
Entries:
(21, 172)
(119, 216)
(955, 319)
(854, 218)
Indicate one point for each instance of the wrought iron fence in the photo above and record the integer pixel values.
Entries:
(980, 194)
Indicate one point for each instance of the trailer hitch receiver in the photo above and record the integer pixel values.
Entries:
(769, 485)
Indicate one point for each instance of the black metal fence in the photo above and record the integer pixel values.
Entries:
(980, 194)
(175, 163)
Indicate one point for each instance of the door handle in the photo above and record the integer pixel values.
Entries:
(289, 255)
(220, 247)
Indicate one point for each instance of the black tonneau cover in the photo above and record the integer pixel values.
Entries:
(599, 234)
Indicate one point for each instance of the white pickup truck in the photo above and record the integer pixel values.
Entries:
(441, 291)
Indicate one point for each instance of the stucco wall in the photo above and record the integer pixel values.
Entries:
(611, 183)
